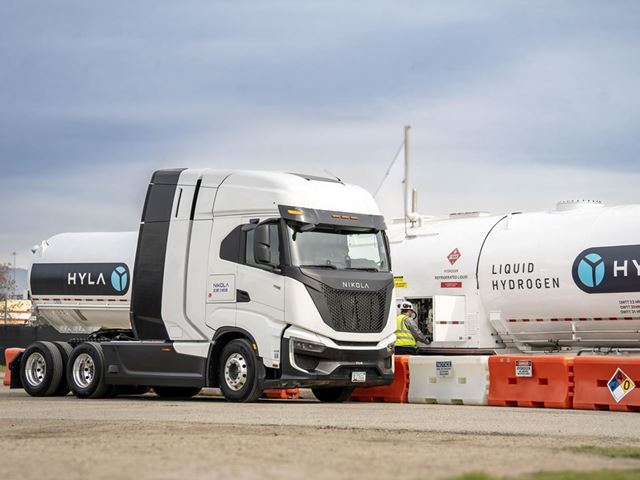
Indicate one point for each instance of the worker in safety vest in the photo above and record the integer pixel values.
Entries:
(407, 332)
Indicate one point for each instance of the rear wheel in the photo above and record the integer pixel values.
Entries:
(239, 374)
(333, 394)
(85, 371)
(41, 369)
(177, 392)
(65, 351)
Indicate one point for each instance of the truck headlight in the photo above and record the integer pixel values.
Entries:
(307, 346)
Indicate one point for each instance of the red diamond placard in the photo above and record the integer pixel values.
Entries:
(454, 256)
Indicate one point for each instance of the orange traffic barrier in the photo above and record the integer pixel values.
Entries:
(607, 383)
(531, 381)
(9, 355)
(281, 393)
(397, 392)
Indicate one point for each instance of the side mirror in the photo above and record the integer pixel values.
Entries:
(262, 245)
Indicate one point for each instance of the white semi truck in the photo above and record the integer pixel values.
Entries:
(240, 280)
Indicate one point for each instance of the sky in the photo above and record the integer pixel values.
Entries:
(513, 105)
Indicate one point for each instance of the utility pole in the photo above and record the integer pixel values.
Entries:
(407, 183)
(410, 195)
(14, 275)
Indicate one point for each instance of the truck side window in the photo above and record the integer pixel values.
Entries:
(275, 247)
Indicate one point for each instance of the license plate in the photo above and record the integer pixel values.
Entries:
(358, 377)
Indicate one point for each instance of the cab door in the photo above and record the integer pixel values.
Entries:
(260, 285)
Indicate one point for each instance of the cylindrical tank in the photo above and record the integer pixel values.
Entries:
(570, 276)
(81, 282)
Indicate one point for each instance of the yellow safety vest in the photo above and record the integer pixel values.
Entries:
(404, 335)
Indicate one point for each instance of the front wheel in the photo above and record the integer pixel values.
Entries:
(239, 373)
(333, 394)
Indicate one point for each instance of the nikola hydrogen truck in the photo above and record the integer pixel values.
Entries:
(237, 280)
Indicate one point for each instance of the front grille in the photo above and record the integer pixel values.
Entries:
(359, 312)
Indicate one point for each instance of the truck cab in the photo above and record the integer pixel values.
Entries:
(241, 280)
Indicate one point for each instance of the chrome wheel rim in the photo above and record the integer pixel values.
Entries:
(84, 370)
(235, 372)
(35, 369)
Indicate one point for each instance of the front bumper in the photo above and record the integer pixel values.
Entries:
(332, 367)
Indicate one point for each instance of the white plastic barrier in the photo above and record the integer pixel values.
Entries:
(462, 380)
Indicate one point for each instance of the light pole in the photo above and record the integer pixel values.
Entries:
(14, 275)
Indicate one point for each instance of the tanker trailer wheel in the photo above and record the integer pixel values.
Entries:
(333, 394)
(239, 373)
(41, 369)
(86, 372)
(65, 351)
(177, 392)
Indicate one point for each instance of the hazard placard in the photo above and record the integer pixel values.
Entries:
(620, 385)
(454, 256)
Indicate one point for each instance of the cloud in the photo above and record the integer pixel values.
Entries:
(513, 105)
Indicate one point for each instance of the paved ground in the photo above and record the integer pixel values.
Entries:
(206, 437)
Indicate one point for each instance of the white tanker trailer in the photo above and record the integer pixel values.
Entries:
(556, 280)
(560, 280)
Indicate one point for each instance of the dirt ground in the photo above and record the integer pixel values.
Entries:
(148, 438)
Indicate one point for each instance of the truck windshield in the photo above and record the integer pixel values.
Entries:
(340, 250)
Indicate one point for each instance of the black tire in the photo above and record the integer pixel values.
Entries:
(41, 369)
(86, 376)
(177, 392)
(65, 351)
(333, 394)
(242, 382)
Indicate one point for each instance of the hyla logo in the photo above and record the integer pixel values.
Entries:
(614, 269)
(120, 278)
(591, 270)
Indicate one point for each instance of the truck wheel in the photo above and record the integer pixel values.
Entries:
(65, 350)
(177, 392)
(41, 369)
(238, 374)
(85, 371)
(333, 394)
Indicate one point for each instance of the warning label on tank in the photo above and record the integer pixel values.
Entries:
(399, 282)
(629, 307)
(620, 385)
(454, 256)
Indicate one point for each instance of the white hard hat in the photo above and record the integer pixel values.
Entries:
(406, 306)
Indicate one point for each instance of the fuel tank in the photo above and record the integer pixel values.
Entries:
(81, 282)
